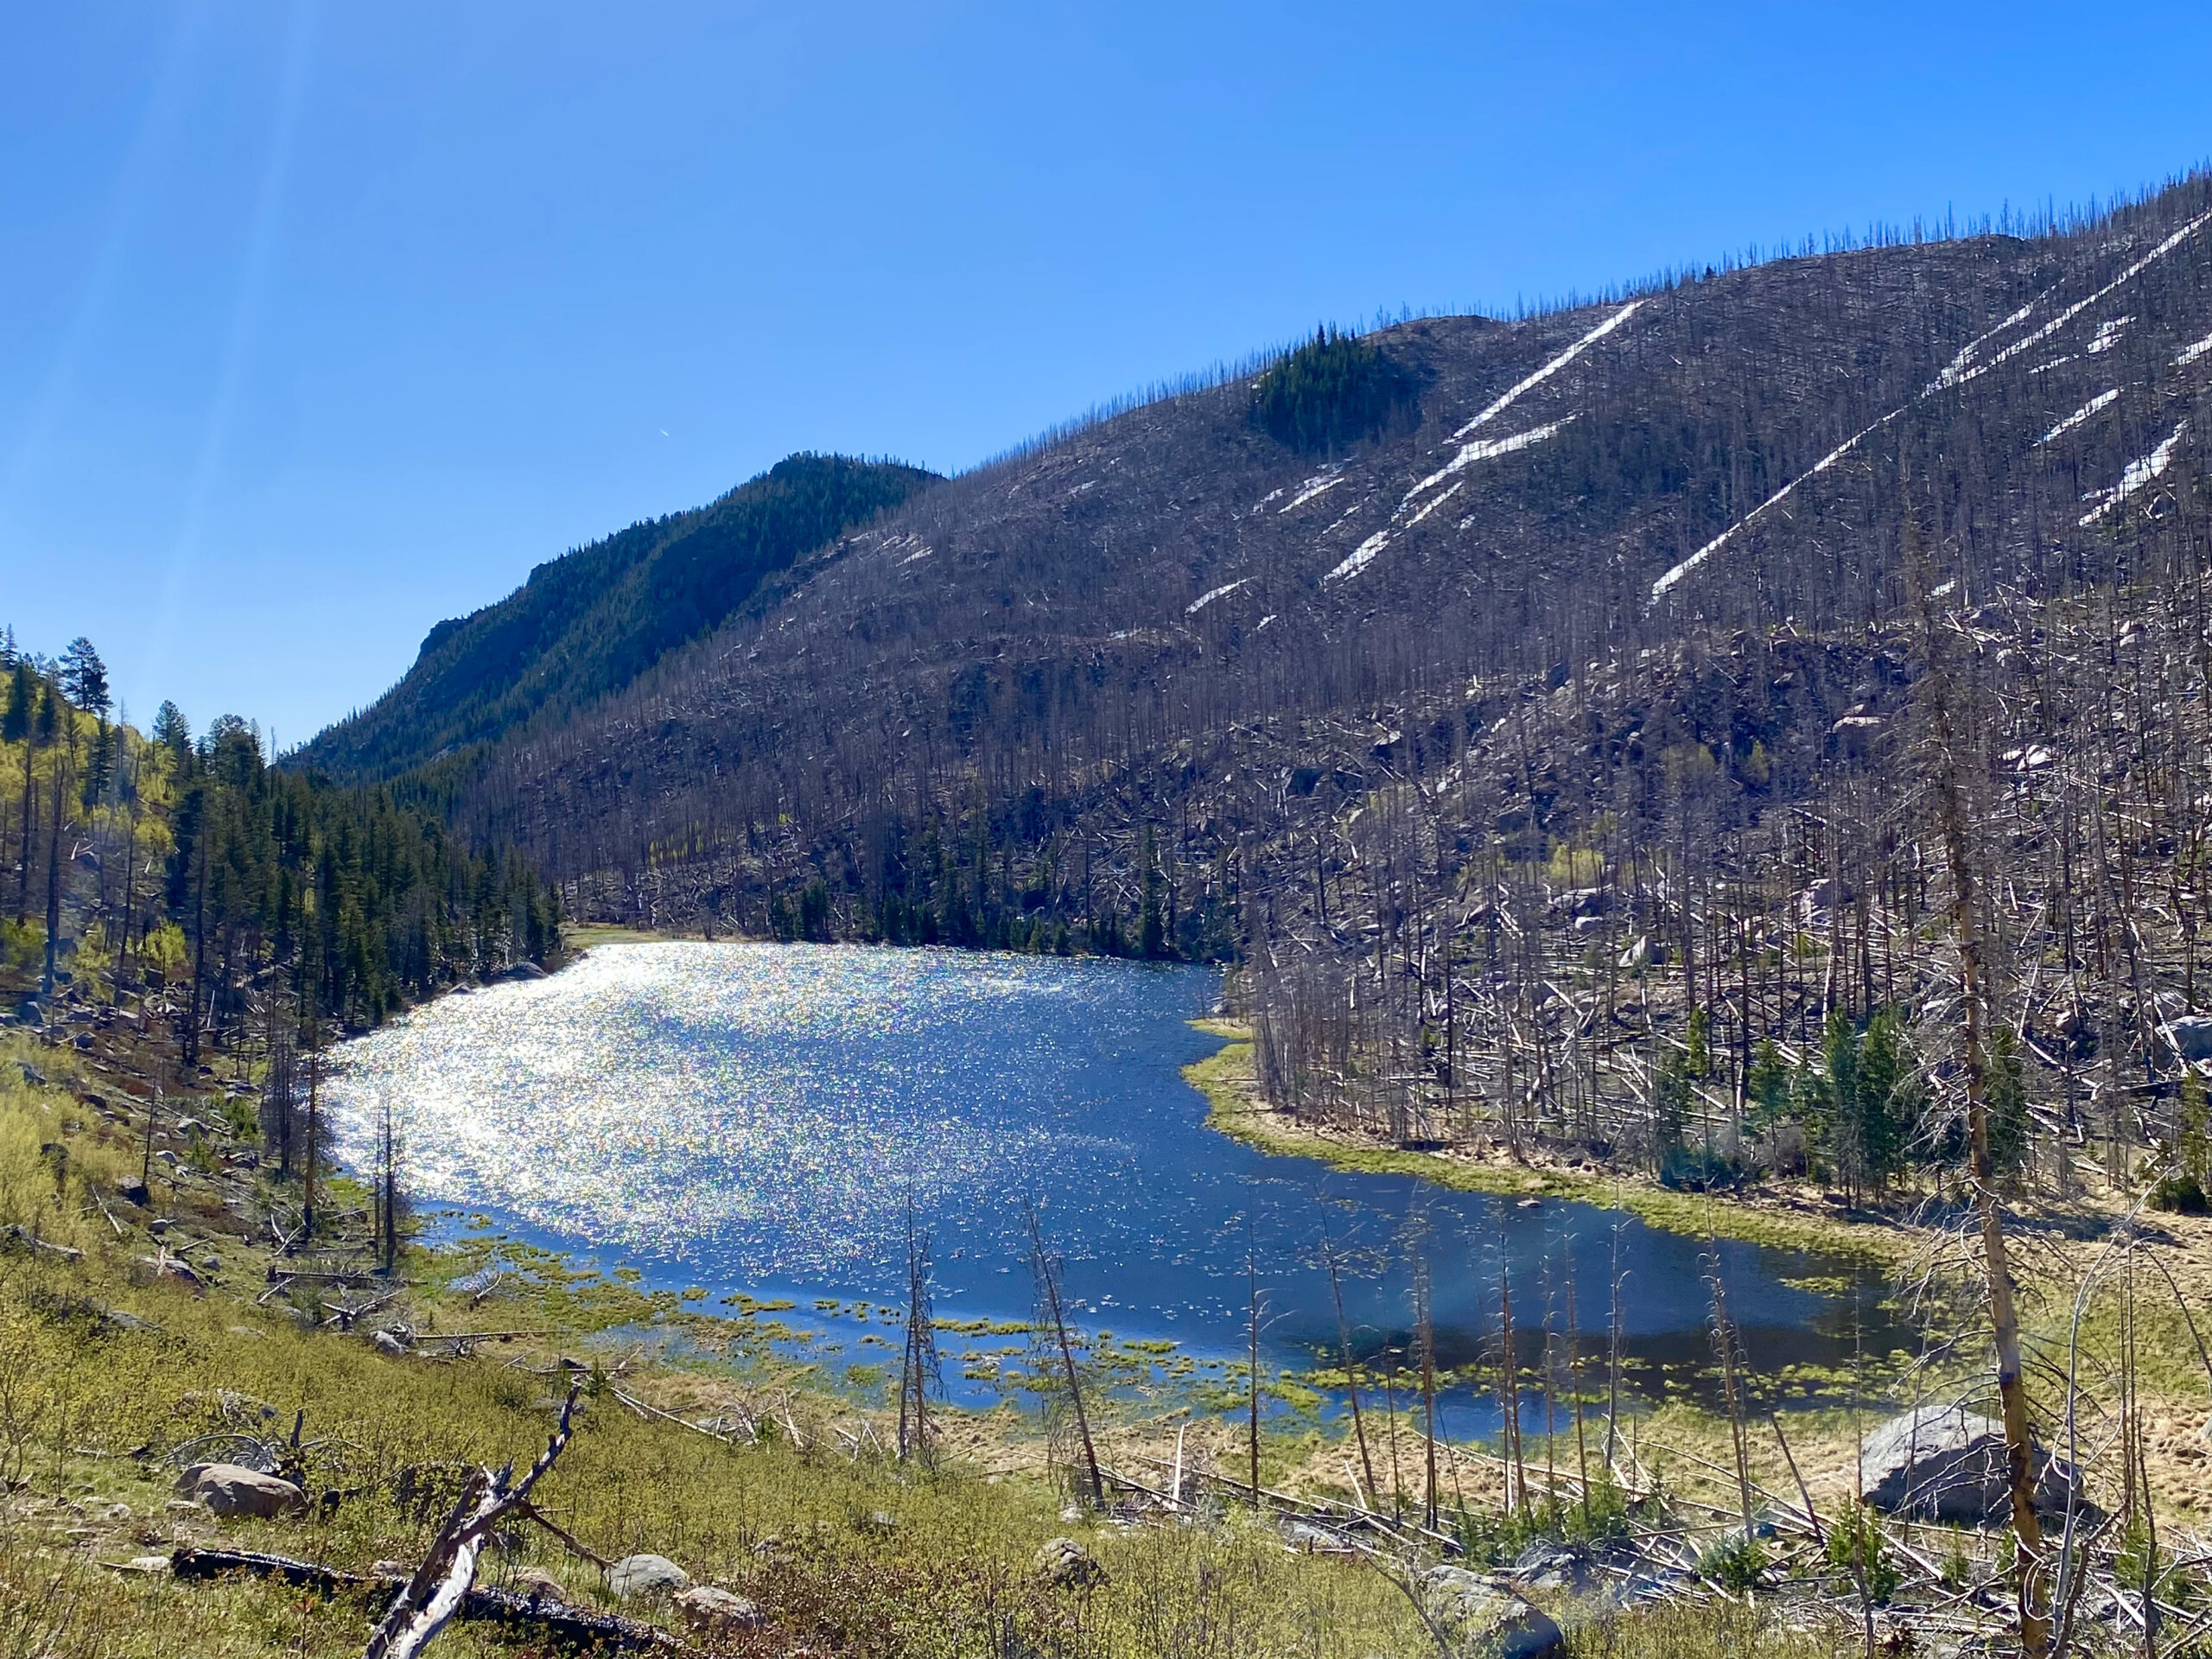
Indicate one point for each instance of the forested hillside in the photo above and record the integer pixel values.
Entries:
(1607, 726)
(590, 622)
(177, 878)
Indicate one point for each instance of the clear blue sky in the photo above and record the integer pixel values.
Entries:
(321, 322)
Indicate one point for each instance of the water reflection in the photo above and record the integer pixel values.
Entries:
(754, 1118)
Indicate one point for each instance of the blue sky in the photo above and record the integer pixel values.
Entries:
(319, 323)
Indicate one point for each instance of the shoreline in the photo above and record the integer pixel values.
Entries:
(1227, 1080)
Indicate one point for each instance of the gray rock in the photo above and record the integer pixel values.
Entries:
(1548, 1566)
(2191, 1034)
(388, 1342)
(232, 1489)
(1479, 1620)
(1066, 1565)
(526, 970)
(709, 1612)
(635, 1576)
(1944, 1462)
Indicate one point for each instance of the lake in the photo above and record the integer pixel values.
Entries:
(757, 1118)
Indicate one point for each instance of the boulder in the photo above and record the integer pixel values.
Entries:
(1944, 1462)
(1066, 1565)
(526, 970)
(636, 1576)
(709, 1612)
(230, 1489)
(2191, 1036)
(1475, 1618)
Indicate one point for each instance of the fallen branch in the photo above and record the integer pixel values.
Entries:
(23, 1237)
(504, 1607)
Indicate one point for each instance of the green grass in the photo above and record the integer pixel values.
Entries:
(1224, 1078)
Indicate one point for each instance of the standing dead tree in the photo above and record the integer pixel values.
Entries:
(1053, 1315)
(1944, 741)
(919, 1370)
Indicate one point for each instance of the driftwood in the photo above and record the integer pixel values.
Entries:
(574, 1625)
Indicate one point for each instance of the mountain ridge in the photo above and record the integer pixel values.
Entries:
(589, 622)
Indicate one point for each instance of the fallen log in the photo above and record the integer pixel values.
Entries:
(30, 1241)
(577, 1625)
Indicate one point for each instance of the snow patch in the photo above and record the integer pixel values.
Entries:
(2026, 341)
(1212, 594)
(1360, 557)
(1320, 484)
(2079, 415)
(1675, 575)
(1435, 504)
(1483, 449)
(1955, 371)
(2190, 354)
(2055, 363)
(1964, 370)
(2107, 334)
(1505, 399)
(2137, 474)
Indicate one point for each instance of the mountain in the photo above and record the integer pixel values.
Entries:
(1505, 697)
(590, 622)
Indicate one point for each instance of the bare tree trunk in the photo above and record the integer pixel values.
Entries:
(1941, 694)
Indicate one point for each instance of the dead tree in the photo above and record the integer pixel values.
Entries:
(919, 1370)
(1941, 704)
(440, 1585)
(1051, 1313)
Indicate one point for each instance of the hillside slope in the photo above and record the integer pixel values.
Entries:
(1593, 690)
(588, 623)
(1150, 594)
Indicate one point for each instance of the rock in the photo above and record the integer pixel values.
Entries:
(116, 1515)
(1478, 1620)
(2191, 1034)
(1943, 1463)
(135, 1193)
(877, 1521)
(32, 1075)
(228, 1488)
(141, 1564)
(1066, 1565)
(1544, 1566)
(635, 1576)
(709, 1612)
(526, 970)
(388, 1342)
